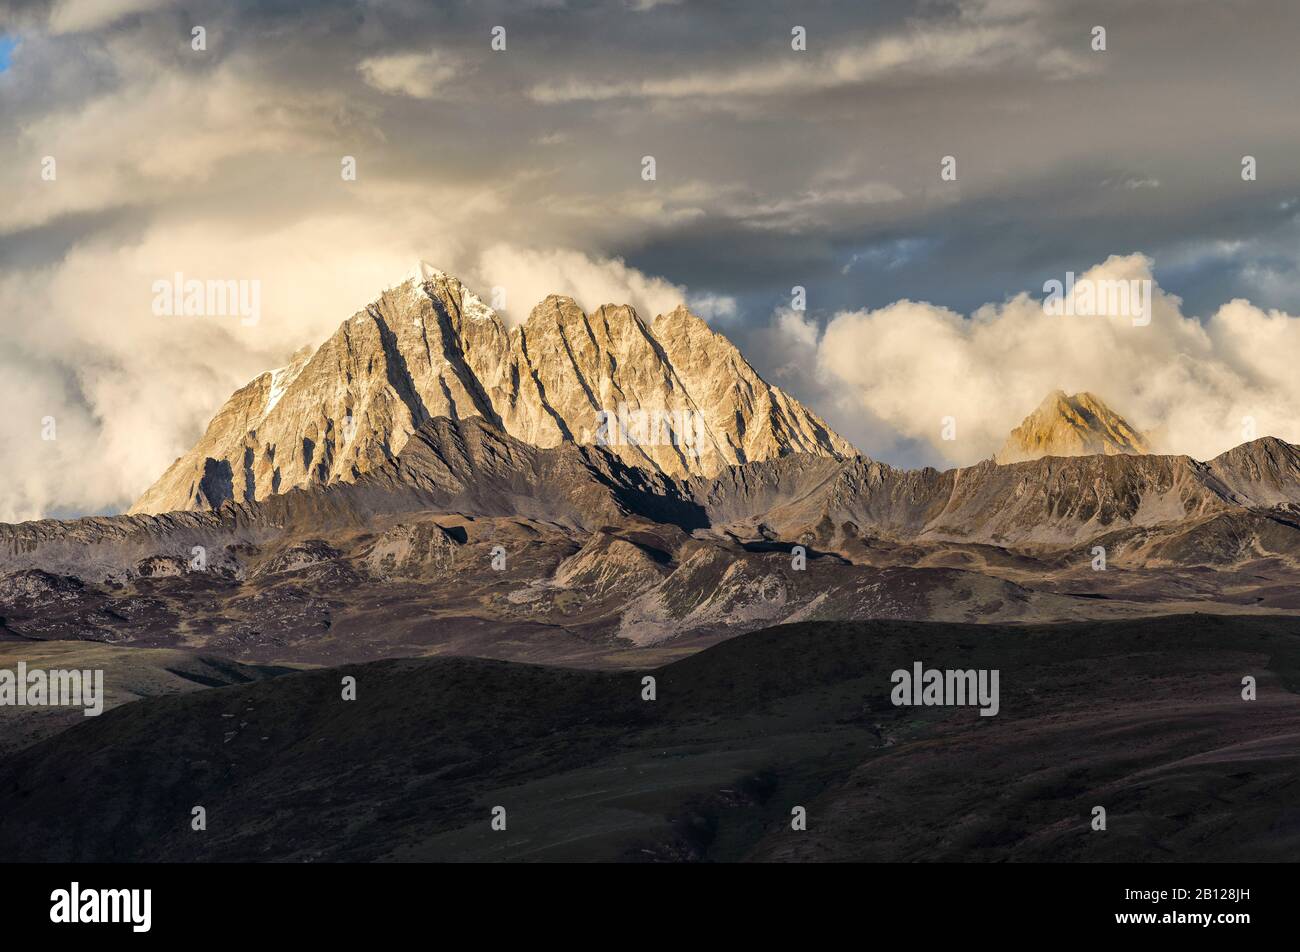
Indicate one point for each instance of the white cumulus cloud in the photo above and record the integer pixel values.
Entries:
(1196, 387)
(527, 276)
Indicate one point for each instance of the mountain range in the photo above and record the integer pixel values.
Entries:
(427, 480)
(429, 494)
(472, 541)
(670, 395)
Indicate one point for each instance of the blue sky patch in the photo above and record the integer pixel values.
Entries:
(7, 44)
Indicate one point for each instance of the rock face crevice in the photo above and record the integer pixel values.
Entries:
(429, 348)
(399, 375)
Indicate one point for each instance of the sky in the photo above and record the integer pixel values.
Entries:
(128, 156)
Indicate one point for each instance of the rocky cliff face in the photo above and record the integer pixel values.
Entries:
(1075, 425)
(671, 395)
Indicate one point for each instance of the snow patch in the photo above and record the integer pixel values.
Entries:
(473, 308)
(278, 387)
(283, 377)
(418, 275)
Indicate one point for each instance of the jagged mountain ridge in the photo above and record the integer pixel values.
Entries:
(429, 347)
(472, 466)
(602, 553)
(1048, 501)
(1077, 424)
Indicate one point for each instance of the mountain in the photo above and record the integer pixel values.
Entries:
(670, 395)
(472, 541)
(473, 468)
(1076, 425)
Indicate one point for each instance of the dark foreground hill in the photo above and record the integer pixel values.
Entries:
(1144, 718)
(129, 674)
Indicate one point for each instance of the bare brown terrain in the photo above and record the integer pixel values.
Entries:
(471, 542)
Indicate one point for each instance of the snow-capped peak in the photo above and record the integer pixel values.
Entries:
(457, 358)
(422, 272)
(417, 276)
(471, 305)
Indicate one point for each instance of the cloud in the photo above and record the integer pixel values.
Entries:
(155, 141)
(130, 390)
(226, 164)
(1196, 387)
(922, 51)
(800, 330)
(527, 276)
(713, 307)
(77, 16)
(418, 75)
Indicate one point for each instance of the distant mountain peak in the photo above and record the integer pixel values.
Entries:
(1071, 425)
